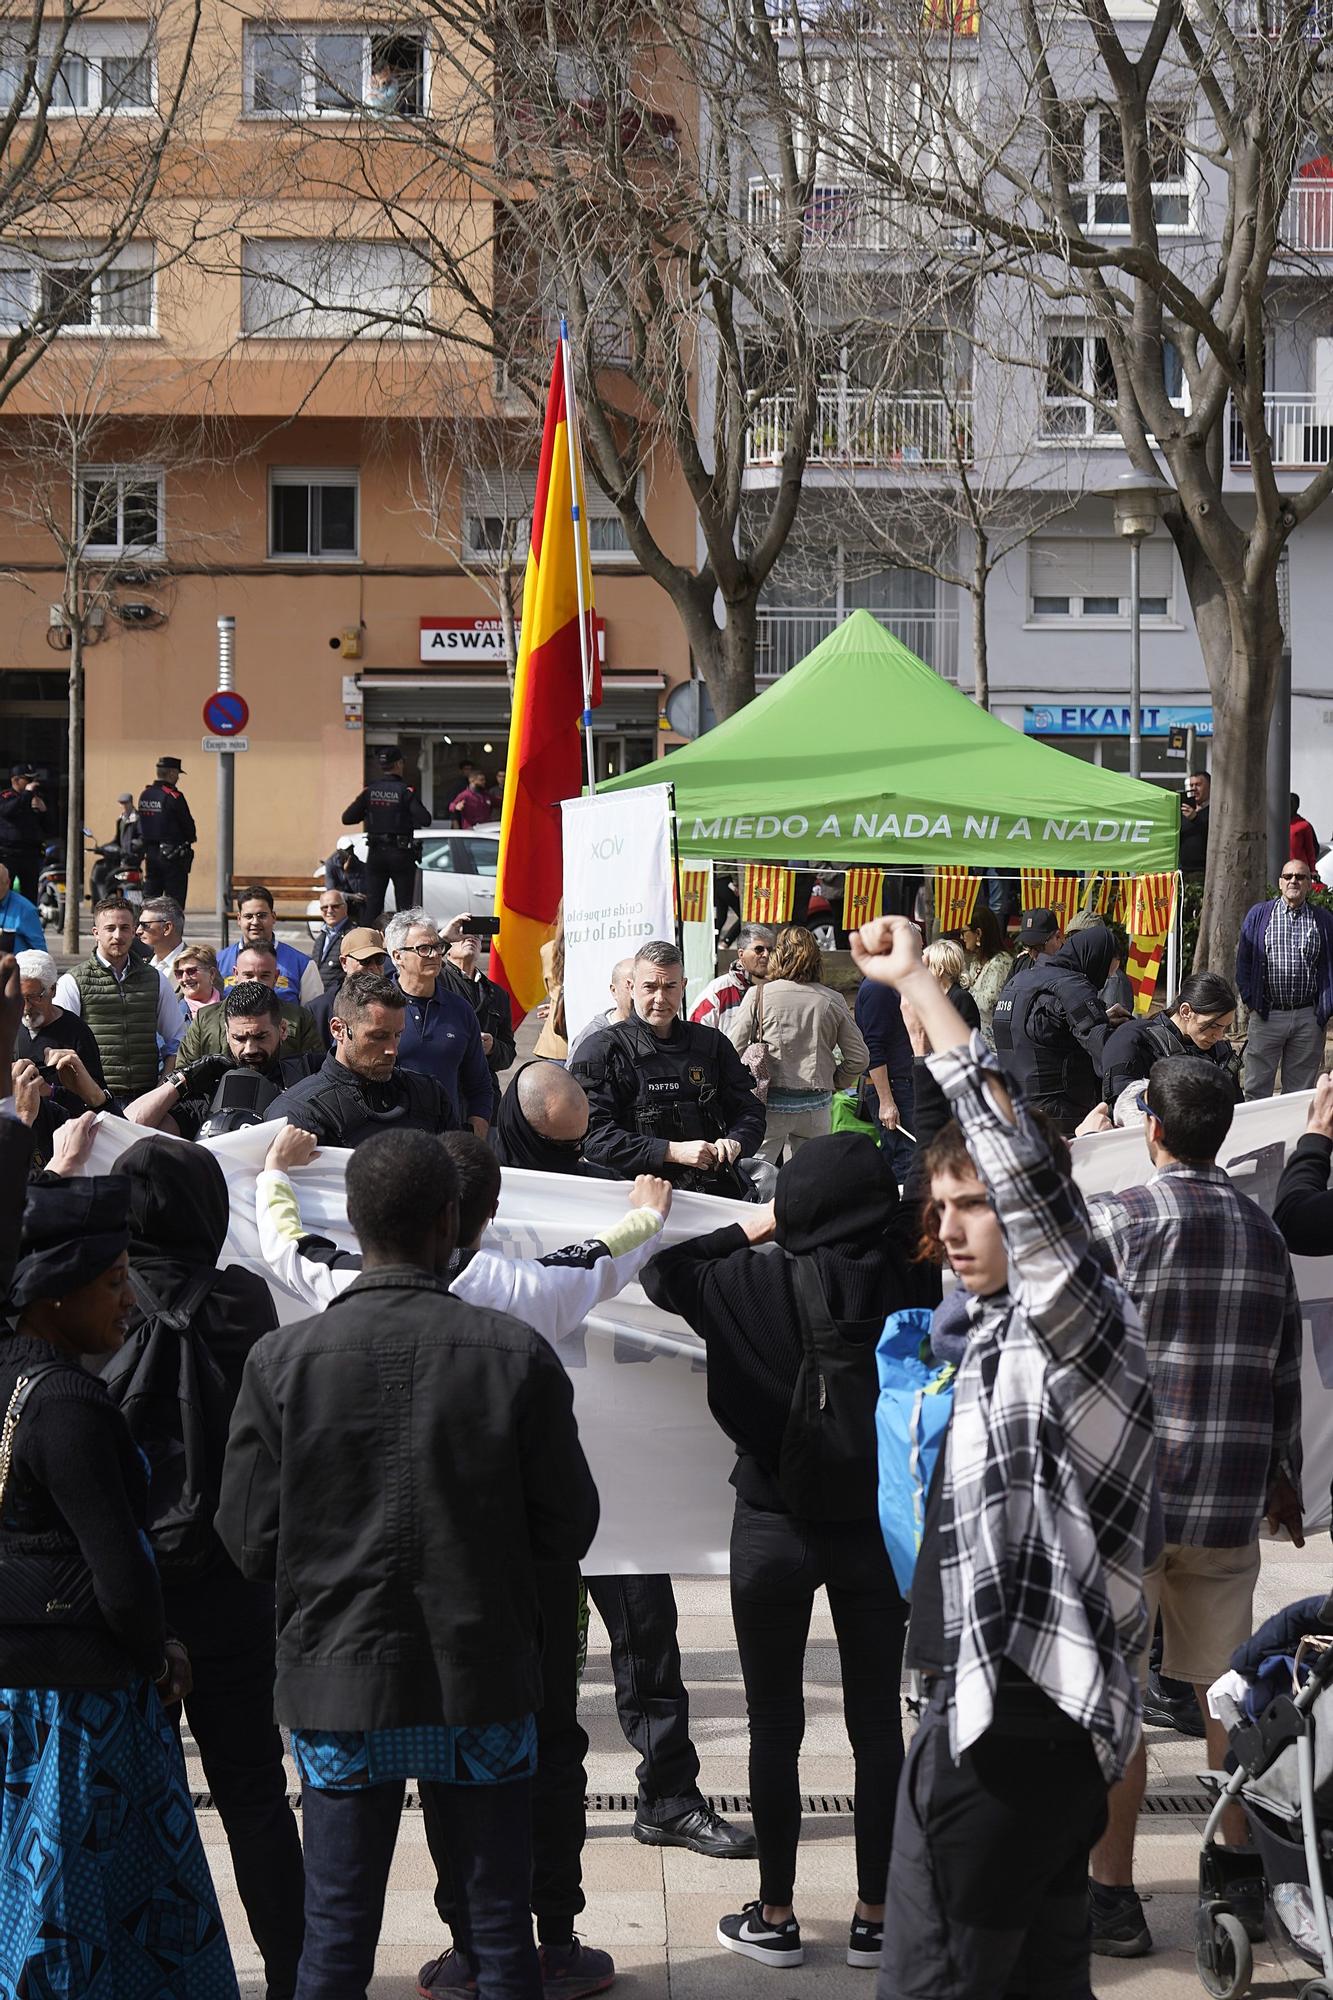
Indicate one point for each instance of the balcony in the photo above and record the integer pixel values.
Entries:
(786, 636)
(1300, 432)
(1307, 220)
(869, 427)
(1268, 19)
(844, 216)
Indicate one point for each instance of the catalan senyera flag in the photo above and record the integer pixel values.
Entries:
(1151, 906)
(696, 903)
(1047, 889)
(862, 892)
(956, 892)
(767, 894)
(959, 17)
(1101, 895)
(545, 760)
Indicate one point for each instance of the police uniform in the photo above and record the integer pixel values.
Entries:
(1050, 1027)
(645, 1090)
(391, 813)
(168, 834)
(23, 834)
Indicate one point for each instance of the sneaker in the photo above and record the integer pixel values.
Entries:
(449, 1973)
(701, 1830)
(1168, 1709)
(571, 1970)
(1119, 1929)
(767, 1944)
(865, 1942)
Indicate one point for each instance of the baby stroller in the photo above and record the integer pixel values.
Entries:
(1283, 1780)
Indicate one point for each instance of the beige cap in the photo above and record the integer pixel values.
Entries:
(361, 944)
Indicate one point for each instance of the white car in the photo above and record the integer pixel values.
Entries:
(458, 872)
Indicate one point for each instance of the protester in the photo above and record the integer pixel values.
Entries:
(843, 1255)
(1196, 1023)
(224, 1092)
(1210, 1276)
(359, 950)
(18, 915)
(489, 1002)
(198, 979)
(360, 1089)
(1303, 1210)
(135, 1018)
(811, 1043)
(256, 965)
(1028, 1587)
(96, 1821)
(878, 1014)
(667, 1096)
(179, 1214)
(986, 963)
(622, 1004)
(441, 1033)
(408, 1626)
(1050, 1027)
(1304, 839)
(298, 976)
(1284, 974)
(161, 927)
(720, 999)
(542, 1123)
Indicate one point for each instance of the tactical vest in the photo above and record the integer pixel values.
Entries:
(675, 1083)
(345, 1116)
(122, 1016)
(389, 812)
(1056, 1064)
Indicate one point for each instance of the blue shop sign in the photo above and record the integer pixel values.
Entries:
(1098, 721)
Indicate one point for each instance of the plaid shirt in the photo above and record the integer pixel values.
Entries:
(1210, 1275)
(1049, 1465)
(1291, 951)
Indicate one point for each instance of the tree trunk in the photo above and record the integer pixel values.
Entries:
(1242, 686)
(980, 655)
(725, 655)
(74, 802)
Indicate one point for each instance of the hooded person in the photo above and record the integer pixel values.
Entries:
(1051, 1027)
(843, 1263)
(542, 1122)
(193, 1326)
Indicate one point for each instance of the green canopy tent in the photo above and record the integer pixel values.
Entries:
(863, 754)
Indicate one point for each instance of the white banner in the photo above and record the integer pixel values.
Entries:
(660, 1461)
(617, 862)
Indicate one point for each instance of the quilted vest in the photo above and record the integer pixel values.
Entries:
(123, 1020)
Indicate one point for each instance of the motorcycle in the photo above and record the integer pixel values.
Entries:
(114, 871)
(51, 886)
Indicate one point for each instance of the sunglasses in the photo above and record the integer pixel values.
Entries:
(1295, 878)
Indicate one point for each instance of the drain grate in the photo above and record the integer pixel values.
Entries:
(1176, 1805)
(1161, 1804)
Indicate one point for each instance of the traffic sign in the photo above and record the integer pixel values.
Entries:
(224, 743)
(226, 713)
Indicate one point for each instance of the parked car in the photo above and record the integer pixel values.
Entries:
(458, 872)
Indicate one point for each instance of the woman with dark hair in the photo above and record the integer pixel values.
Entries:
(843, 1242)
(1196, 1023)
(810, 1037)
(104, 1890)
(986, 963)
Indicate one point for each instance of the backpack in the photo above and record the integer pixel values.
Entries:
(177, 1404)
(912, 1416)
(826, 1467)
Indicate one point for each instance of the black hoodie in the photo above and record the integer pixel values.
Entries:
(1050, 1026)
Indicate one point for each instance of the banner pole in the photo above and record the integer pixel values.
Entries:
(580, 542)
(675, 865)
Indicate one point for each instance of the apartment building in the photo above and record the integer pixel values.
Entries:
(225, 427)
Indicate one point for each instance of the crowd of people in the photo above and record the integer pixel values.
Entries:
(175, 1534)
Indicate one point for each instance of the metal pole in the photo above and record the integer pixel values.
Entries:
(1279, 771)
(582, 575)
(226, 782)
(1135, 664)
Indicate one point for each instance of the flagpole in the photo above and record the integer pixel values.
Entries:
(580, 531)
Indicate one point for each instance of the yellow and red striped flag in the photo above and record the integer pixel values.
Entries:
(862, 892)
(1151, 906)
(956, 892)
(767, 894)
(695, 900)
(1047, 889)
(545, 761)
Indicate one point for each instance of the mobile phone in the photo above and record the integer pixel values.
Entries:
(481, 927)
(9, 939)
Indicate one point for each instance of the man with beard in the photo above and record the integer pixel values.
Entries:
(227, 1091)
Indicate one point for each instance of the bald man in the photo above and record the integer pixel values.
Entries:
(622, 1000)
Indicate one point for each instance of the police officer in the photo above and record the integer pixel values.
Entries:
(391, 812)
(1050, 1026)
(168, 834)
(667, 1096)
(23, 828)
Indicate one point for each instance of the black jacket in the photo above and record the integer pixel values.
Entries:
(16, 1149)
(1050, 1027)
(399, 1463)
(1133, 1048)
(342, 1108)
(1303, 1210)
(644, 1091)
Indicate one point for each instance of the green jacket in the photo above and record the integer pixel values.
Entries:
(207, 1033)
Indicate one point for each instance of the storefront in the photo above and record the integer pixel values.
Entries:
(1099, 732)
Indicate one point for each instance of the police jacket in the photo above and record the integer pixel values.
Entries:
(389, 809)
(1133, 1048)
(645, 1090)
(342, 1108)
(22, 826)
(164, 817)
(1050, 1026)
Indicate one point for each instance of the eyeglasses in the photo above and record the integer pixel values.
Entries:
(424, 950)
(1295, 878)
(1141, 1104)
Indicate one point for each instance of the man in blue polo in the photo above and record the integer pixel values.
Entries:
(298, 976)
(441, 1033)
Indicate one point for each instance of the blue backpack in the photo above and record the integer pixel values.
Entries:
(911, 1417)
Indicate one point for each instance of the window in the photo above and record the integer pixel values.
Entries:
(304, 72)
(477, 857)
(313, 513)
(106, 67)
(68, 284)
(332, 290)
(1079, 387)
(497, 515)
(1073, 577)
(1088, 148)
(120, 511)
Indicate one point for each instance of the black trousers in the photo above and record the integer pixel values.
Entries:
(559, 1791)
(385, 865)
(988, 1886)
(639, 1613)
(163, 877)
(777, 1565)
(227, 1626)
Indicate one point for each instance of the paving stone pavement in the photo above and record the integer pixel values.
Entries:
(656, 1910)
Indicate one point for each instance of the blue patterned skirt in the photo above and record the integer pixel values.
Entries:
(104, 1890)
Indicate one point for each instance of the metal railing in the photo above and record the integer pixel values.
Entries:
(867, 427)
(839, 216)
(1307, 220)
(1300, 431)
(1269, 18)
(787, 635)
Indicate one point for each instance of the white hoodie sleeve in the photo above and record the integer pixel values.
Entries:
(315, 1278)
(554, 1294)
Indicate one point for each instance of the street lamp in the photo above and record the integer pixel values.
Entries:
(1137, 498)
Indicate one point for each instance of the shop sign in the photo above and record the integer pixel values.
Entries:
(478, 640)
(1092, 719)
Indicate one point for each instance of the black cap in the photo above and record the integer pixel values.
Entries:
(388, 757)
(1037, 928)
(170, 764)
(23, 770)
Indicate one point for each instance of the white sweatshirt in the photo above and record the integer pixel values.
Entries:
(552, 1294)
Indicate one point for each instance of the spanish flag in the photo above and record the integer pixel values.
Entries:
(545, 760)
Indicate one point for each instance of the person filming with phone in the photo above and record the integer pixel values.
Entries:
(489, 1002)
(441, 1031)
